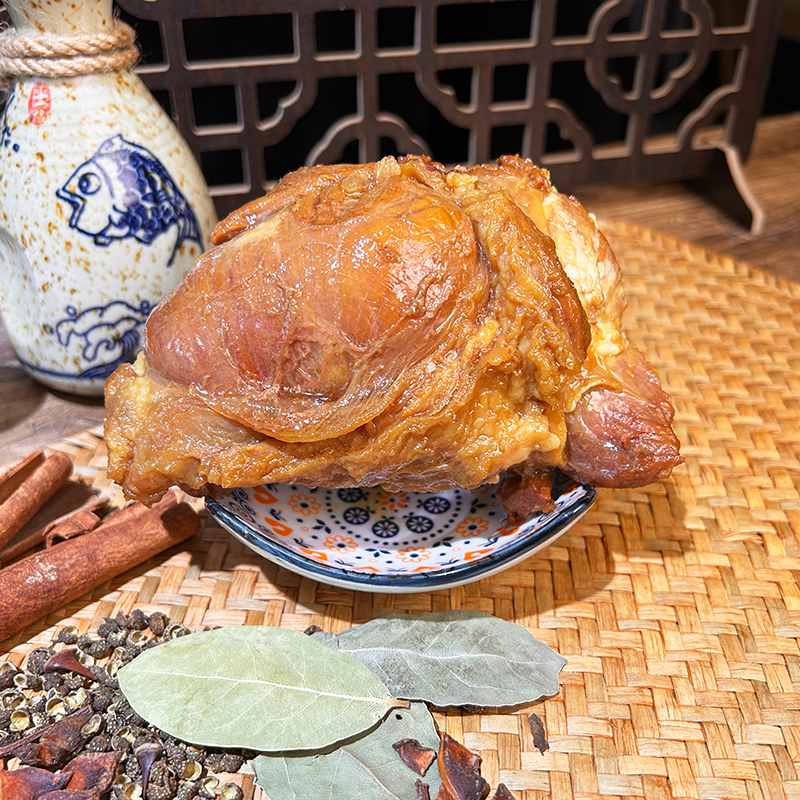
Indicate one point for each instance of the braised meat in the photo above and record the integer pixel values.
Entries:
(394, 324)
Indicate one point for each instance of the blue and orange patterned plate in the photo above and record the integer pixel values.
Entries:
(378, 541)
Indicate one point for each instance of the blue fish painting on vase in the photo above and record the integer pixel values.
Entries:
(124, 191)
(103, 210)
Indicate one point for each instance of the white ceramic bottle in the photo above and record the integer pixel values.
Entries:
(103, 209)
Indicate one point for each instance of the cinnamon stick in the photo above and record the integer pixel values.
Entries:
(12, 475)
(45, 581)
(32, 493)
(65, 526)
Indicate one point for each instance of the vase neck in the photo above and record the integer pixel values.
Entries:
(59, 17)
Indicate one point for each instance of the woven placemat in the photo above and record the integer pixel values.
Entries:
(677, 606)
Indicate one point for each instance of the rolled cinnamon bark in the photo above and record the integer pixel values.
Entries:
(32, 493)
(65, 526)
(45, 581)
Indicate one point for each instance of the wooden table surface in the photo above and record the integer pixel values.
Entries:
(32, 415)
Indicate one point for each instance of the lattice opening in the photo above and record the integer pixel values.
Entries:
(570, 85)
(507, 139)
(573, 19)
(555, 143)
(246, 38)
(216, 107)
(223, 168)
(389, 147)
(335, 31)
(397, 28)
(336, 98)
(676, 18)
(400, 95)
(623, 71)
(512, 83)
(734, 13)
(499, 21)
(351, 153)
(633, 22)
(149, 38)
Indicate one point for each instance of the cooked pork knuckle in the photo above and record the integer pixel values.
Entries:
(394, 324)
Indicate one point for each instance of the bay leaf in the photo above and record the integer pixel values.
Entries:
(364, 767)
(255, 687)
(453, 658)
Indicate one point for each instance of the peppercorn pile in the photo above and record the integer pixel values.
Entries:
(71, 730)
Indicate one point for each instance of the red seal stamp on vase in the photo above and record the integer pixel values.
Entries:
(39, 103)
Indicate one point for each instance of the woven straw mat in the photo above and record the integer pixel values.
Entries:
(677, 605)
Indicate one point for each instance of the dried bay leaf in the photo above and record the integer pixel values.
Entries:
(364, 767)
(453, 658)
(255, 687)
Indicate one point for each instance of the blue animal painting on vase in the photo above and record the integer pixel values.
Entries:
(107, 335)
(123, 191)
(103, 336)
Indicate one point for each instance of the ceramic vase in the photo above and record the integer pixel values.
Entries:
(103, 209)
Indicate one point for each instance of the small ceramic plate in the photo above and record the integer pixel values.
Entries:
(376, 541)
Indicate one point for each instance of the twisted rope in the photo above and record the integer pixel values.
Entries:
(66, 56)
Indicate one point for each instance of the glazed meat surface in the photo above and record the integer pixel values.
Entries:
(394, 324)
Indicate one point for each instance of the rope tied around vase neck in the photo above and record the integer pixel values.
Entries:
(66, 56)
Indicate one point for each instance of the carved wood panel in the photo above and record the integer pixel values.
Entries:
(618, 91)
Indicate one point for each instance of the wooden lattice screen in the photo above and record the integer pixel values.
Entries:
(618, 91)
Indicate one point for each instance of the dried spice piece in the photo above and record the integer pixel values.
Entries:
(146, 754)
(502, 793)
(65, 515)
(537, 732)
(72, 794)
(74, 523)
(37, 585)
(12, 475)
(96, 771)
(49, 755)
(460, 770)
(422, 789)
(414, 755)
(67, 661)
(53, 745)
(230, 791)
(33, 491)
(29, 783)
(157, 622)
(7, 673)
